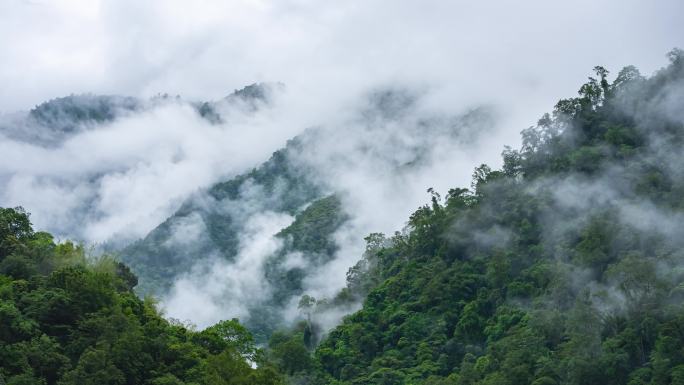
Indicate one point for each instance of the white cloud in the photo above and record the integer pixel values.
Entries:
(121, 179)
(219, 289)
(118, 181)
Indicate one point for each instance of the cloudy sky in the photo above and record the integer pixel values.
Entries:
(206, 48)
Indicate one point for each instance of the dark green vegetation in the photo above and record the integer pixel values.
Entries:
(67, 320)
(220, 213)
(308, 235)
(249, 98)
(563, 267)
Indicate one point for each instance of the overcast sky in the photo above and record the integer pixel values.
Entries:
(204, 49)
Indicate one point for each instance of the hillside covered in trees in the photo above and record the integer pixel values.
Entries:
(67, 319)
(318, 219)
(565, 266)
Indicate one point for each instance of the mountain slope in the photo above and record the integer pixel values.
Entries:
(564, 267)
(253, 245)
(106, 169)
(54, 121)
(210, 222)
(66, 319)
(211, 226)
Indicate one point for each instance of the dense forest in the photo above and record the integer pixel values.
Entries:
(565, 266)
(389, 134)
(70, 319)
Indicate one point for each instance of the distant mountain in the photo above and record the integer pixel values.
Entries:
(67, 113)
(74, 154)
(387, 140)
(202, 248)
(52, 122)
(210, 224)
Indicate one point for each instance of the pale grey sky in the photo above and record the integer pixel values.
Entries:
(204, 48)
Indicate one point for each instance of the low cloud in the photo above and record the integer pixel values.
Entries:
(378, 156)
(217, 289)
(115, 181)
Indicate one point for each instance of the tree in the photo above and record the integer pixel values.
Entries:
(292, 356)
(306, 305)
(229, 334)
(15, 228)
(94, 368)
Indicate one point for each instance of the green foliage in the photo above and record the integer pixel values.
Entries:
(288, 351)
(310, 235)
(518, 281)
(67, 319)
(310, 232)
(563, 267)
(15, 228)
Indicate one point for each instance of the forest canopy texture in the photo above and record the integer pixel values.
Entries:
(565, 266)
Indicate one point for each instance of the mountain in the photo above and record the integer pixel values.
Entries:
(253, 245)
(54, 121)
(220, 213)
(210, 226)
(563, 267)
(249, 98)
(120, 165)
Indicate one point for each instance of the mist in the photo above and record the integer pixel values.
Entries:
(379, 156)
(390, 98)
(643, 231)
(115, 181)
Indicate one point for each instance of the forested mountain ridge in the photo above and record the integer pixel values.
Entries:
(210, 249)
(55, 121)
(563, 267)
(121, 165)
(220, 212)
(210, 225)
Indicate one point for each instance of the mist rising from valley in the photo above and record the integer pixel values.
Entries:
(209, 194)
